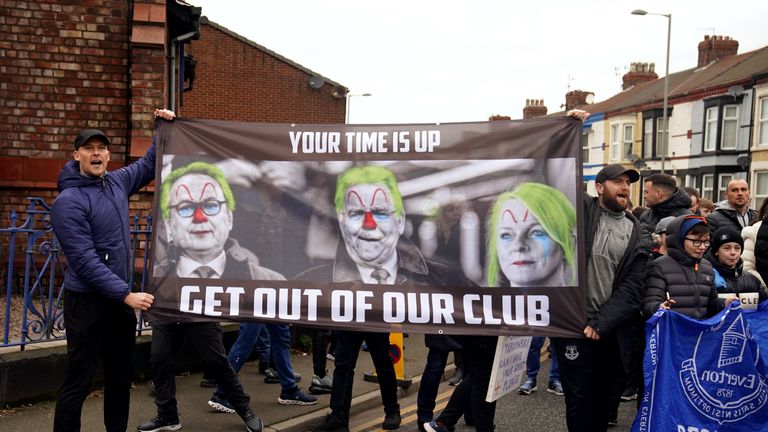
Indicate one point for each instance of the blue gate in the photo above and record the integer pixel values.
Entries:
(35, 272)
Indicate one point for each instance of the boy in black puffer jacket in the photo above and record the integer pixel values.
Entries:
(682, 280)
(725, 256)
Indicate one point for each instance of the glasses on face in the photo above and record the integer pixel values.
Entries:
(187, 209)
(698, 242)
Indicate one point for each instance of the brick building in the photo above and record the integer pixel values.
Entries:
(67, 65)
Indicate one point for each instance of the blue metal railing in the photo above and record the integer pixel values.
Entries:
(38, 293)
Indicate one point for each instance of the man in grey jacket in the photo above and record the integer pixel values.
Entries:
(734, 212)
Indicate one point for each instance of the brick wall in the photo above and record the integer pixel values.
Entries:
(238, 81)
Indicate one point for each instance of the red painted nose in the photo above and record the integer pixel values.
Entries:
(199, 216)
(368, 222)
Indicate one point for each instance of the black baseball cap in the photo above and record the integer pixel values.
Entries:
(615, 171)
(87, 134)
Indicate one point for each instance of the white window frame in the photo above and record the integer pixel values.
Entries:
(723, 181)
(761, 191)
(690, 181)
(661, 132)
(615, 141)
(732, 140)
(710, 129)
(648, 138)
(628, 129)
(708, 191)
(762, 121)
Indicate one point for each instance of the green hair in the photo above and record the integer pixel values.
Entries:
(368, 175)
(550, 207)
(194, 168)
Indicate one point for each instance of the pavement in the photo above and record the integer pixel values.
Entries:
(196, 415)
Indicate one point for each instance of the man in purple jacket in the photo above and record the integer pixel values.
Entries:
(90, 220)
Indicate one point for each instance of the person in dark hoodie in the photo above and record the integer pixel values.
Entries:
(730, 277)
(90, 220)
(682, 280)
(663, 198)
(734, 212)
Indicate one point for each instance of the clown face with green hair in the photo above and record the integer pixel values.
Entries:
(369, 208)
(197, 203)
(531, 232)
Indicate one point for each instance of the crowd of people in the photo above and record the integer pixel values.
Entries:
(676, 254)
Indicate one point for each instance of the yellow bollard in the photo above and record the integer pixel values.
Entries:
(398, 360)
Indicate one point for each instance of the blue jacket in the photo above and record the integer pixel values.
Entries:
(90, 220)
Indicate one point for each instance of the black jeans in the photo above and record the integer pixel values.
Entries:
(347, 349)
(478, 361)
(592, 373)
(206, 338)
(98, 329)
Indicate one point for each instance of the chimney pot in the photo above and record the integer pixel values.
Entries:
(714, 48)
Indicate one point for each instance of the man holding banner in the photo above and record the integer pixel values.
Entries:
(593, 369)
(372, 220)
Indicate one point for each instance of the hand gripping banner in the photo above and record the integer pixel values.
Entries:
(463, 228)
(706, 376)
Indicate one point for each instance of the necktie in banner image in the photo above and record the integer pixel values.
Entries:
(204, 272)
(380, 275)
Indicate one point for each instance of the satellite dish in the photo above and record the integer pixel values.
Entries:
(590, 98)
(639, 163)
(743, 162)
(736, 90)
(316, 82)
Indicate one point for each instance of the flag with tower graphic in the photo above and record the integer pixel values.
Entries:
(708, 375)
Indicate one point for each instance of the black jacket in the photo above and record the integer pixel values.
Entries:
(725, 216)
(622, 309)
(688, 281)
(735, 280)
(678, 204)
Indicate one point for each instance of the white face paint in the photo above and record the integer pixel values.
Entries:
(527, 255)
(200, 220)
(369, 225)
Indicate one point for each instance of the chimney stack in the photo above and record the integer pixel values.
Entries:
(575, 98)
(499, 117)
(638, 73)
(714, 48)
(534, 108)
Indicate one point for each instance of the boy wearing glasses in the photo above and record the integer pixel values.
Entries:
(682, 280)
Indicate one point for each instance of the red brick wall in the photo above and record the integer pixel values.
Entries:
(239, 82)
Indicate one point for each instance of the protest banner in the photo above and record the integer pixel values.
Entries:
(341, 226)
(705, 376)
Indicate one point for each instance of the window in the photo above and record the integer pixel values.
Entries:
(730, 127)
(615, 140)
(724, 180)
(763, 121)
(710, 129)
(761, 187)
(655, 132)
(648, 138)
(584, 147)
(707, 186)
(690, 181)
(660, 135)
(721, 123)
(629, 135)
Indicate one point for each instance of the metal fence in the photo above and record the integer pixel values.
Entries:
(34, 275)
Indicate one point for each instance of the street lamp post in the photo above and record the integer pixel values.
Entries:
(665, 139)
(349, 99)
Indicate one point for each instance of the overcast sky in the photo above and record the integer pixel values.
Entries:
(429, 61)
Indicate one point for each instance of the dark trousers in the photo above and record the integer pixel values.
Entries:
(478, 361)
(430, 382)
(347, 349)
(98, 329)
(592, 373)
(320, 351)
(206, 338)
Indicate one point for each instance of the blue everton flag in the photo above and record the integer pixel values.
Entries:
(705, 375)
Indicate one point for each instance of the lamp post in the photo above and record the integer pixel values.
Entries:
(665, 139)
(346, 106)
